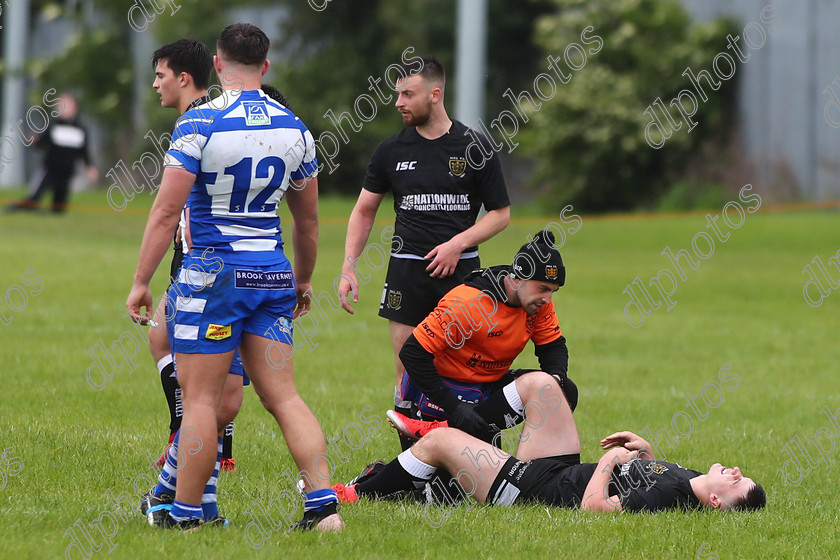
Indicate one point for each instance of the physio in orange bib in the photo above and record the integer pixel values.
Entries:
(457, 360)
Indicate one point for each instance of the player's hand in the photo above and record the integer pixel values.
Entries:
(304, 299)
(465, 418)
(627, 440)
(445, 258)
(92, 174)
(140, 297)
(621, 455)
(347, 284)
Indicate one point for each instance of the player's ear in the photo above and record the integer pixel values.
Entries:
(217, 64)
(266, 65)
(184, 79)
(714, 500)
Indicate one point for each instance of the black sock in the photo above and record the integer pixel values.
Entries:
(497, 411)
(393, 479)
(227, 442)
(173, 396)
(405, 442)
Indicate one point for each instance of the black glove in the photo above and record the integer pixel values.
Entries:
(464, 417)
(569, 389)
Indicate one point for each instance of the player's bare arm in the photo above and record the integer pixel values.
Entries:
(163, 219)
(445, 256)
(302, 199)
(596, 497)
(358, 230)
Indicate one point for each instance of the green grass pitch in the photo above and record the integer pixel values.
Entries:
(63, 445)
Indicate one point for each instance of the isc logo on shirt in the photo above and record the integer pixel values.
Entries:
(256, 113)
(405, 165)
(218, 332)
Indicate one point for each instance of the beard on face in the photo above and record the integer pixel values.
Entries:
(418, 119)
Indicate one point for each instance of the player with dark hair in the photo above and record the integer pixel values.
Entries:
(182, 76)
(458, 358)
(65, 141)
(186, 56)
(547, 467)
(235, 159)
(276, 95)
(178, 89)
(437, 198)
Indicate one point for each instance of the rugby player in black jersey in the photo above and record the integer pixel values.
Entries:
(440, 173)
(547, 467)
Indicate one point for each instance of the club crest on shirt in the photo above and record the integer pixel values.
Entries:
(457, 166)
(657, 468)
(551, 271)
(256, 113)
(394, 299)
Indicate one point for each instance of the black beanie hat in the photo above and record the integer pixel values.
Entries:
(539, 260)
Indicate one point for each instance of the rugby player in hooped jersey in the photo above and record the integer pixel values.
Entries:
(235, 158)
(182, 77)
(438, 192)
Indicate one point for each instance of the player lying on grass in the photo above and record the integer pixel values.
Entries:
(547, 467)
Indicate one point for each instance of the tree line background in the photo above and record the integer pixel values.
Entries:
(585, 146)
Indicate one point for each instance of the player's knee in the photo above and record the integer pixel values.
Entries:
(437, 439)
(530, 384)
(227, 411)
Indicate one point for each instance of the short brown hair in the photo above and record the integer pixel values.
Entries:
(432, 70)
(243, 43)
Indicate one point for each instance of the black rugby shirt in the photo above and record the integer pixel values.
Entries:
(437, 192)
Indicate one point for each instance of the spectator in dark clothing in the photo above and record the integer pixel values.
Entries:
(65, 142)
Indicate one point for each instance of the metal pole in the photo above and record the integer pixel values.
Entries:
(471, 60)
(15, 32)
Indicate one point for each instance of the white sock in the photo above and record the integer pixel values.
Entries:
(513, 398)
(414, 466)
(163, 362)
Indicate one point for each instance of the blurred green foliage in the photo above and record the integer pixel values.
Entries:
(321, 60)
(92, 65)
(329, 57)
(589, 140)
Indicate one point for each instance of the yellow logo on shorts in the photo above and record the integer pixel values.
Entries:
(217, 332)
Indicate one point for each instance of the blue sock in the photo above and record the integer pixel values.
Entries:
(183, 512)
(319, 499)
(169, 474)
(209, 500)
